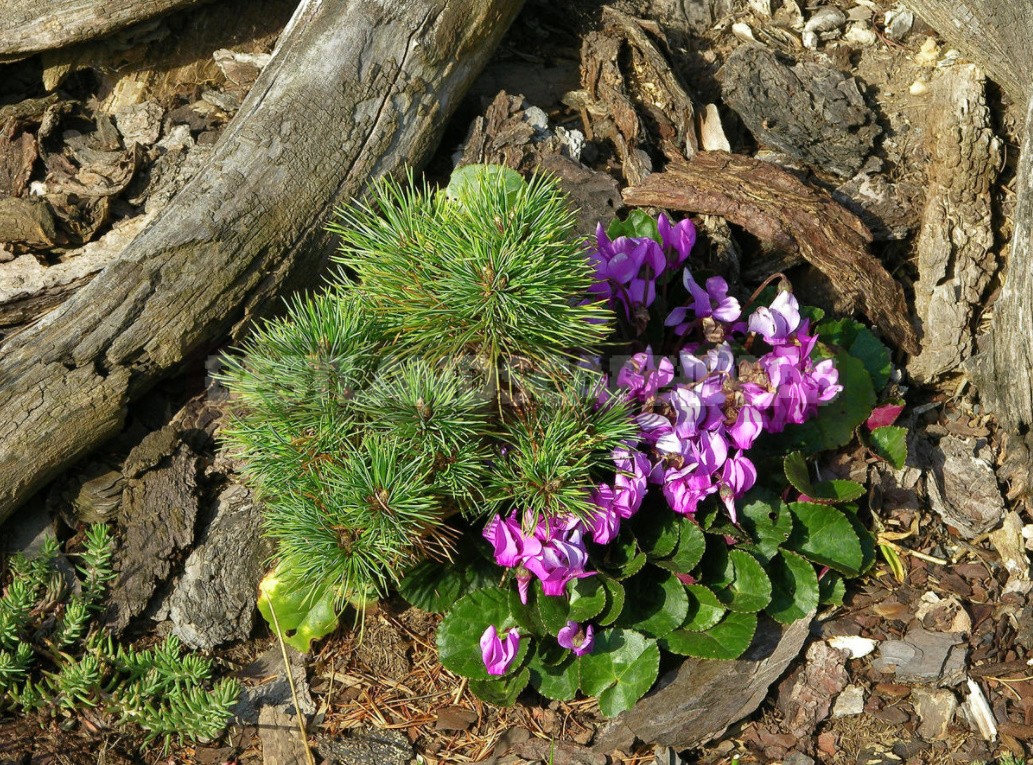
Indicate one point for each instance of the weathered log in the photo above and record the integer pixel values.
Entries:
(355, 90)
(30, 26)
(787, 214)
(996, 34)
(956, 257)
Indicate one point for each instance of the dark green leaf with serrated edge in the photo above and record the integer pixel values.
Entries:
(638, 224)
(435, 586)
(501, 691)
(750, 589)
(656, 603)
(715, 568)
(657, 533)
(766, 519)
(864, 536)
(549, 652)
(890, 443)
(835, 422)
(553, 610)
(874, 355)
(834, 491)
(690, 549)
(705, 610)
(587, 598)
(460, 631)
(727, 640)
(622, 557)
(622, 666)
(824, 534)
(558, 682)
(831, 589)
(794, 587)
(614, 601)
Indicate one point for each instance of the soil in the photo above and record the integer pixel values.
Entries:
(955, 586)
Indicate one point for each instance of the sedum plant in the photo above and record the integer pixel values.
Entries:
(438, 422)
(52, 657)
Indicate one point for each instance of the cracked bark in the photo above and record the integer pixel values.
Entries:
(355, 90)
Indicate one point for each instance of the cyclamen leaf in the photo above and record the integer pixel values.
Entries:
(614, 601)
(637, 225)
(557, 682)
(832, 492)
(622, 666)
(501, 691)
(623, 558)
(301, 614)
(823, 534)
(468, 180)
(459, 633)
(794, 587)
(866, 538)
(890, 443)
(862, 344)
(750, 590)
(766, 519)
(831, 589)
(657, 533)
(587, 598)
(705, 610)
(657, 603)
(691, 546)
(435, 586)
(728, 640)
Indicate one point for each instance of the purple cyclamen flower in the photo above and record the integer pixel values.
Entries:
(605, 522)
(498, 653)
(509, 542)
(678, 238)
(778, 321)
(748, 425)
(684, 489)
(737, 478)
(576, 639)
(643, 377)
(706, 303)
(629, 485)
(560, 561)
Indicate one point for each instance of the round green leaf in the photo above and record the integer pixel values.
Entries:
(705, 610)
(766, 519)
(587, 598)
(825, 535)
(614, 601)
(831, 589)
(460, 631)
(750, 590)
(691, 545)
(657, 533)
(621, 668)
(558, 682)
(501, 691)
(833, 492)
(622, 557)
(728, 640)
(890, 443)
(303, 614)
(466, 181)
(656, 603)
(794, 587)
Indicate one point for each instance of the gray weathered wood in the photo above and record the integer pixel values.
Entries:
(30, 26)
(956, 253)
(355, 90)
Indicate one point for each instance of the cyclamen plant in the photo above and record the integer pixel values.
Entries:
(623, 513)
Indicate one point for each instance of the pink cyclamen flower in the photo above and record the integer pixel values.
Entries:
(498, 653)
(678, 238)
(509, 542)
(643, 377)
(576, 639)
(778, 321)
(559, 561)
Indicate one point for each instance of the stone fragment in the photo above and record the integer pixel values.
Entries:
(805, 697)
(923, 657)
(214, 601)
(266, 685)
(1011, 546)
(849, 702)
(943, 614)
(241, 69)
(698, 701)
(962, 485)
(935, 708)
(856, 647)
(898, 23)
(281, 738)
(366, 747)
(797, 758)
(808, 110)
(455, 718)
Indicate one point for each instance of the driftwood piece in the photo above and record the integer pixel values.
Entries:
(785, 213)
(628, 83)
(30, 26)
(956, 257)
(355, 90)
(812, 112)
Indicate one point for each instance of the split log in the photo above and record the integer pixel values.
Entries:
(956, 254)
(31, 26)
(355, 90)
(997, 35)
(784, 212)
